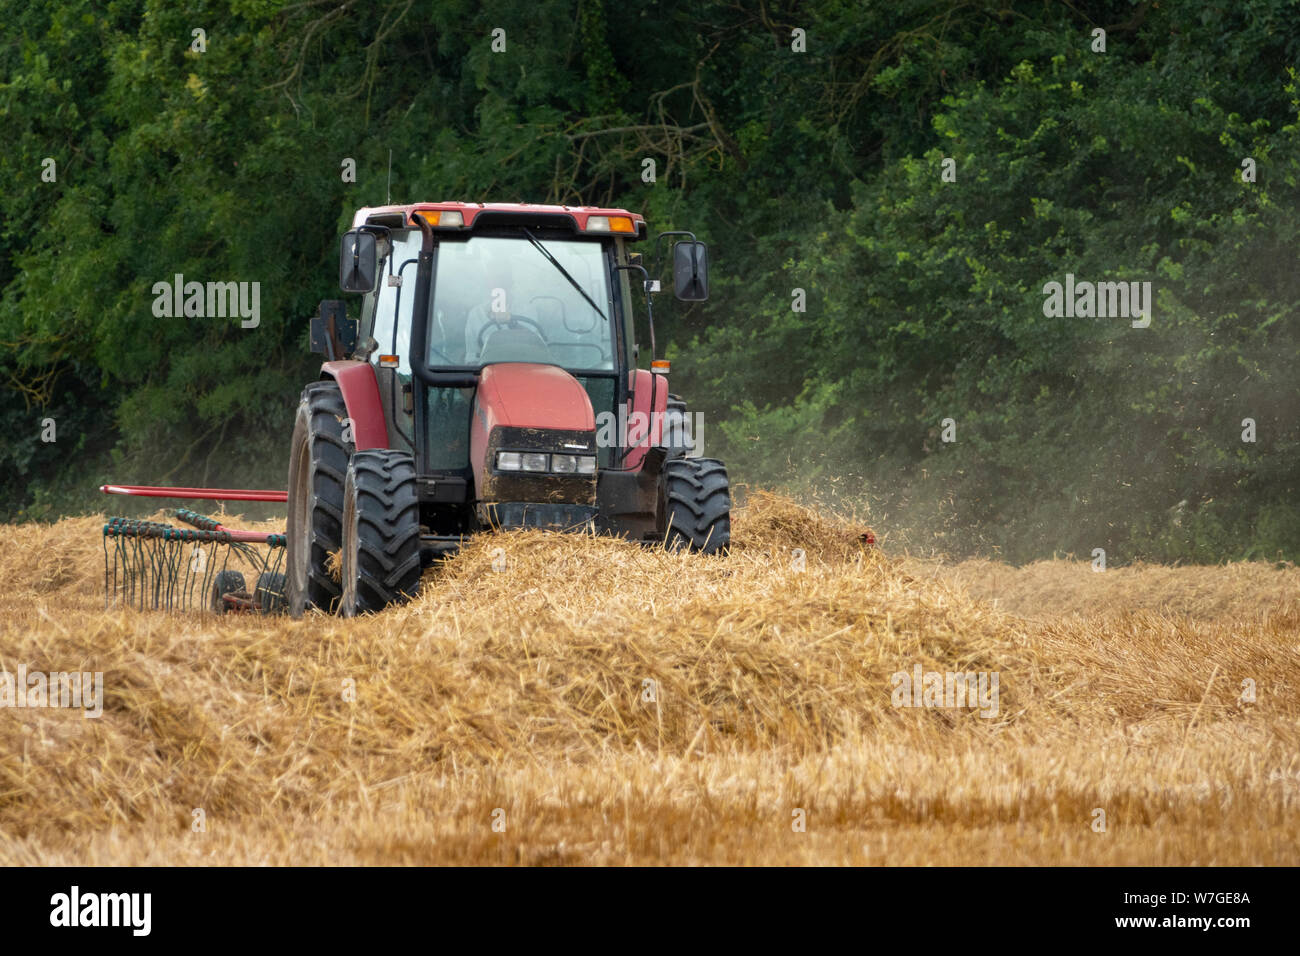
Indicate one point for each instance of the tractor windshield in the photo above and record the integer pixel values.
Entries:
(503, 299)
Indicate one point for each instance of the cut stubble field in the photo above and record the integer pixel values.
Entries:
(594, 701)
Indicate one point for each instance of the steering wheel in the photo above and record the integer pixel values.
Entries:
(494, 326)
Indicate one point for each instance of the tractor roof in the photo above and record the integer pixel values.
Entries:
(578, 218)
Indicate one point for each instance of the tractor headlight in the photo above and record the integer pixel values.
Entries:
(542, 462)
(523, 461)
(573, 464)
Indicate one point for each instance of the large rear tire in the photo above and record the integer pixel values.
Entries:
(381, 532)
(318, 464)
(696, 505)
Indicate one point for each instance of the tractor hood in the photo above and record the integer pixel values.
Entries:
(543, 413)
(524, 395)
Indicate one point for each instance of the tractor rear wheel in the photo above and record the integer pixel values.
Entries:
(318, 464)
(381, 532)
(696, 505)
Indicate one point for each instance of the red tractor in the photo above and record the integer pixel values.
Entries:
(490, 382)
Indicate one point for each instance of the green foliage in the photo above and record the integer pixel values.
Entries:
(818, 171)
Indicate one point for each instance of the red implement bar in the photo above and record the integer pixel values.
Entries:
(208, 494)
(253, 536)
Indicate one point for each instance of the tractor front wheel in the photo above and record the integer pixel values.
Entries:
(318, 464)
(696, 505)
(381, 532)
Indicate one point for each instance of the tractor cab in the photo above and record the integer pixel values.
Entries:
(490, 381)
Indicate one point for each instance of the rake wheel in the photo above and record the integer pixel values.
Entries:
(226, 582)
(269, 596)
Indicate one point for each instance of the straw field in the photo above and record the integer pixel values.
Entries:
(555, 699)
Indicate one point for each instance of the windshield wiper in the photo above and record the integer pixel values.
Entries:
(564, 272)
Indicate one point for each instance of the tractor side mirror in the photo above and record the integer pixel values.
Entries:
(691, 271)
(357, 262)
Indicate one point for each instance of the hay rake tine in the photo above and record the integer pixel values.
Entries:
(138, 584)
(187, 583)
(174, 554)
(157, 564)
(141, 585)
(199, 576)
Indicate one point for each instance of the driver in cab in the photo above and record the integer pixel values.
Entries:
(493, 333)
